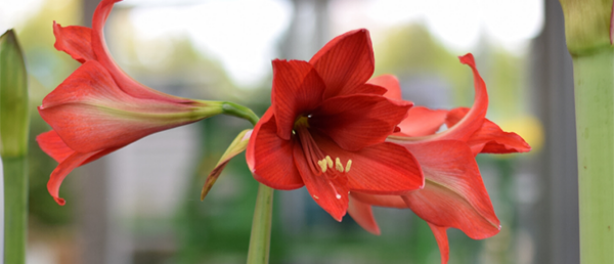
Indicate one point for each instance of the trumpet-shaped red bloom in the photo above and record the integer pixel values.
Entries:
(454, 194)
(99, 108)
(326, 129)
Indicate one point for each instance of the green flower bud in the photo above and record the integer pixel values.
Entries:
(14, 118)
(587, 25)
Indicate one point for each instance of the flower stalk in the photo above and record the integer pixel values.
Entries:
(594, 99)
(588, 26)
(15, 208)
(230, 108)
(14, 122)
(260, 238)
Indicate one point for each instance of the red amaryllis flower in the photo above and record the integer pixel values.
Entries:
(454, 194)
(326, 129)
(99, 109)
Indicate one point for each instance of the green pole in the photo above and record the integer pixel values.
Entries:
(587, 31)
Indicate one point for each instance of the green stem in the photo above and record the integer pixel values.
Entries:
(240, 111)
(15, 209)
(594, 99)
(260, 239)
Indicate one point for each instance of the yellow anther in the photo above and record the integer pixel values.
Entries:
(348, 166)
(338, 165)
(322, 164)
(329, 161)
(316, 197)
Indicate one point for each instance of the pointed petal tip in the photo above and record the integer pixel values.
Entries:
(60, 201)
(467, 59)
(339, 217)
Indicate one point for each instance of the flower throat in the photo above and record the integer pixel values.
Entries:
(319, 163)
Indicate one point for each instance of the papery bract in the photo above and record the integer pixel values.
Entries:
(238, 145)
(454, 194)
(326, 129)
(99, 109)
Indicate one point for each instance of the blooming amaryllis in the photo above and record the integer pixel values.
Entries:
(454, 194)
(326, 129)
(99, 109)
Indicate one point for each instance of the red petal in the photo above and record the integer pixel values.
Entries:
(357, 121)
(330, 193)
(442, 241)
(384, 168)
(473, 120)
(249, 152)
(89, 112)
(270, 157)
(297, 88)
(490, 138)
(363, 215)
(345, 63)
(391, 83)
(75, 41)
(421, 121)
(369, 89)
(392, 201)
(64, 168)
(454, 194)
(238, 145)
(53, 145)
(99, 46)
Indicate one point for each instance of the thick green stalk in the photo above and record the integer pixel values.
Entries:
(594, 98)
(15, 213)
(260, 239)
(14, 123)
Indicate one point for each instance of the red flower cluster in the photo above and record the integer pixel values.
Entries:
(351, 140)
(334, 131)
(98, 108)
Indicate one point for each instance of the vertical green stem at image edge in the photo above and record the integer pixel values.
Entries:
(14, 123)
(594, 99)
(15, 209)
(587, 34)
